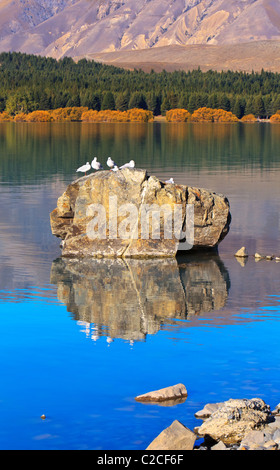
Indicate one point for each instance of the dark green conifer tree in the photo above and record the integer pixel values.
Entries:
(108, 101)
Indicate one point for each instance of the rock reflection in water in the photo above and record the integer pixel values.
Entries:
(130, 299)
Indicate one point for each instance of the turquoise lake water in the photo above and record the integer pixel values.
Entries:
(78, 346)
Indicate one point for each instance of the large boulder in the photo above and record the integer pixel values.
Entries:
(105, 199)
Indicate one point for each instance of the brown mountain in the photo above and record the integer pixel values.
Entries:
(88, 28)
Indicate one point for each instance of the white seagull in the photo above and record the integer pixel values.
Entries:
(84, 168)
(110, 163)
(131, 164)
(171, 181)
(96, 165)
(115, 168)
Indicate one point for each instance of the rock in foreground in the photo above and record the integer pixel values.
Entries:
(105, 199)
(234, 419)
(175, 437)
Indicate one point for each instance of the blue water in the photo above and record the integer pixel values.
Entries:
(80, 361)
(86, 390)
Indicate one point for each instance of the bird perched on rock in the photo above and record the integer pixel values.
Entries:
(84, 168)
(115, 168)
(110, 163)
(96, 165)
(131, 164)
(171, 181)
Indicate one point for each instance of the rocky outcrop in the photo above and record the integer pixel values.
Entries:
(234, 419)
(112, 214)
(237, 424)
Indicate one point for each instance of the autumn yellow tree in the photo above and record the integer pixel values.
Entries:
(213, 115)
(249, 118)
(275, 118)
(178, 115)
(21, 117)
(39, 116)
(68, 114)
(139, 115)
(4, 117)
(132, 115)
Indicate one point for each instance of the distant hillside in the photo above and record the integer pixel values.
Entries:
(81, 28)
(247, 57)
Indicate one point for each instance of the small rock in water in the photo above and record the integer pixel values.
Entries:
(259, 256)
(242, 253)
(168, 393)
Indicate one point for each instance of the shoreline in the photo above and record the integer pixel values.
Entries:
(138, 115)
(156, 120)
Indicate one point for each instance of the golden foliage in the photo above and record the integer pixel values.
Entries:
(21, 117)
(38, 116)
(224, 116)
(4, 117)
(249, 118)
(81, 114)
(275, 118)
(139, 115)
(178, 115)
(103, 116)
(67, 114)
(213, 115)
(132, 115)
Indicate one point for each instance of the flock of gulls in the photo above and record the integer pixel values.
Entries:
(95, 165)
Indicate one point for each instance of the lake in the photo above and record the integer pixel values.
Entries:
(78, 345)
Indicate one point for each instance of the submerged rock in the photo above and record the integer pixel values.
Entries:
(115, 193)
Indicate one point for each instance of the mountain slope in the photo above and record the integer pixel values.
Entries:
(78, 28)
(245, 57)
